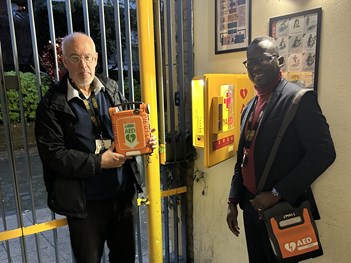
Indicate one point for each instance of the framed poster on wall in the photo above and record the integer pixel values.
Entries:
(232, 25)
(298, 38)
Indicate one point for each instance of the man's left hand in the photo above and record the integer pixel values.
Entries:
(264, 201)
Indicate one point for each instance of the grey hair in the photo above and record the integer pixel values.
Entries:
(67, 39)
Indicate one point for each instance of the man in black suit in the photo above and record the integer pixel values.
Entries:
(305, 152)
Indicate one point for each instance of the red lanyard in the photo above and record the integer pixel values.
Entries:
(252, 128)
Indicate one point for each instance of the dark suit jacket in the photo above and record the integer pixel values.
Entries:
(305, 152)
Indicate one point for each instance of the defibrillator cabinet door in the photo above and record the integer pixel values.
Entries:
(217, 103)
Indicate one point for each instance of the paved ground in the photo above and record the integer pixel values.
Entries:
(29, 176)
(44, 242)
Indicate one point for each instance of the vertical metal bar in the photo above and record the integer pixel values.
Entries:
(129, 50)
(170, 75)
(148, 84)
(169, 52)
(55, 237)
(38, 82)
(165, 65)
(103, 38)
(180, 73)
(53, 43)
(86, 17)
(53, 37)
(181, 85)
(30, 182)
(6, 122)
(175, 215)
(159, 67)
(69, 17)
(34, 47)
(4, 225)
(190, 57)
(13, 166)
(190, 71)
(25, 141)
(183, 207)
(165, 170)
(164, 174)
(140, 252)
(119, 45)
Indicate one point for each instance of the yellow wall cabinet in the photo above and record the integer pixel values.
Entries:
(217, 103)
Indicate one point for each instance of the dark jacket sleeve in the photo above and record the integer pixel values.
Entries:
(55, 134)
(312, 131)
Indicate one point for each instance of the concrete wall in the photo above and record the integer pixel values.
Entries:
(213, 241)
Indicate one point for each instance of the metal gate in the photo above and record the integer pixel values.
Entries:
(30, 35)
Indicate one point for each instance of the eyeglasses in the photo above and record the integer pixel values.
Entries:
(250, 63)
(75, 59)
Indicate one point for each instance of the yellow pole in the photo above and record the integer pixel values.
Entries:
(148, 91)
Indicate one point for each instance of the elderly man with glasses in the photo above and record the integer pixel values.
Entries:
(306, 149)
(86, 180)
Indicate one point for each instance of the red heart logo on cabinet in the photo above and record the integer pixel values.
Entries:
(243, 93)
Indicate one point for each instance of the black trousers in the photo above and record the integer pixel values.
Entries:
(257, 240)
(112, 221)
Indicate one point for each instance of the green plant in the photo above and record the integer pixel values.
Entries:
(29, 96)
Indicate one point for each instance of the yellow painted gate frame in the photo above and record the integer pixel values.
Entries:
(34, 229)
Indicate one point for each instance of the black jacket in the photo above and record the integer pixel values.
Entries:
(65, 168)
(305, 152)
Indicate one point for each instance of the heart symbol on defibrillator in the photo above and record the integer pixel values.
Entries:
(130, 137)
(290, 246)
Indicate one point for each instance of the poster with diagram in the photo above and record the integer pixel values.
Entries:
(232, 25)
(297, 36)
